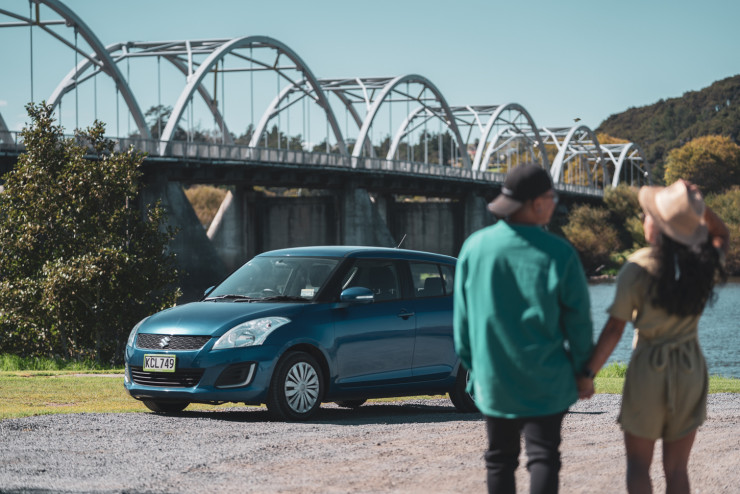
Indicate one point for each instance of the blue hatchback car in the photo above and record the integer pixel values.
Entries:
(296, 327)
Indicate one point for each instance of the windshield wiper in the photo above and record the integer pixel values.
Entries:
(282, 298)
(238, 298)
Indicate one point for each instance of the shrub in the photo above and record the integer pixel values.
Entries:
(592, 236)
(80, 260)
(624, 215)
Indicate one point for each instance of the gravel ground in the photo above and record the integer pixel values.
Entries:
(401, 447)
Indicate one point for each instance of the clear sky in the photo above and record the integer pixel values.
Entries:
(561, 60)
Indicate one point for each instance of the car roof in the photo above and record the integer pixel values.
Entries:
(360, 251)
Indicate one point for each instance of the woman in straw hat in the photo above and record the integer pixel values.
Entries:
(662, 290)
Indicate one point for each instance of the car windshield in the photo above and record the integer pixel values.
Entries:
(276, 279)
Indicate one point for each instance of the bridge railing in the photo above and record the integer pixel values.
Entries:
(12, 142)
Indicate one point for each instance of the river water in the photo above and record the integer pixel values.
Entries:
(718, 327)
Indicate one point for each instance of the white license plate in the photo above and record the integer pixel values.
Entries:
(159, 363)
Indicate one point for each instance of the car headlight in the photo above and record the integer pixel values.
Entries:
(250, 333)
(132, 336)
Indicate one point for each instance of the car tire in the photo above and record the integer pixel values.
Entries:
(296, 388)
(350, 403)
(165, 406)
(459, 396)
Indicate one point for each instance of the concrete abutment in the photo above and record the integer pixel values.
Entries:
(251, 221)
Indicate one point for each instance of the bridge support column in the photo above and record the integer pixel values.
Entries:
(197, 260)
(361, 221)
(476, 214)
(232, 234)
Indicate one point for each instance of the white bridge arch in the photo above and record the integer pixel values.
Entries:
(481, 137)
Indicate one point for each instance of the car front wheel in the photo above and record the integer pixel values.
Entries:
(296, 388)
(165, 406)
(459, 395)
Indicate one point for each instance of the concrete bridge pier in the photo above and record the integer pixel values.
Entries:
(476, 214)
(231, 233)
(363, 219)
(249, 222)
(199, 264)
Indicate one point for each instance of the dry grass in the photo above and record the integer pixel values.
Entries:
(205, 199)
(26, 393)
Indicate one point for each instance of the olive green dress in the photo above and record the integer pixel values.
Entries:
(665, 390)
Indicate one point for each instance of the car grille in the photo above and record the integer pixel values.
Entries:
(181, 378)
(176, 342)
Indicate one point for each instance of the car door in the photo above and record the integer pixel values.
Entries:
(374, 342)
(434, 350)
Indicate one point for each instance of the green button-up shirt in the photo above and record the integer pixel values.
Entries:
(522, 320)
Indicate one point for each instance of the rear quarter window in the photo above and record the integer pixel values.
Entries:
(431, 279)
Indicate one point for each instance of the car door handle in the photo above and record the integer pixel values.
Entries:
(405, 315)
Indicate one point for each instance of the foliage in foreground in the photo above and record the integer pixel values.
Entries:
(80, 260)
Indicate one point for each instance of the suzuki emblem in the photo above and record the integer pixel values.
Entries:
(164, 342)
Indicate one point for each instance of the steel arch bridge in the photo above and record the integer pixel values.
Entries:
(403, 121)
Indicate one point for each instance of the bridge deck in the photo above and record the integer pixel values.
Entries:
(193, 162)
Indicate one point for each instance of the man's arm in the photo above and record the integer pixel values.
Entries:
(575, 316)
(460, 318)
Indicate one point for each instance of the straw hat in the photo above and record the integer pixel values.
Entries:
(678, 211)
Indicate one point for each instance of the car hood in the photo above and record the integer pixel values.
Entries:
(214, 318)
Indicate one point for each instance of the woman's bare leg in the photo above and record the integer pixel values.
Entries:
(639, 457)
(676, 462)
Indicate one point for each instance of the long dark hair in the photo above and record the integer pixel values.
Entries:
(685, 279)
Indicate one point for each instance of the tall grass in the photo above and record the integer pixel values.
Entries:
(615, 369)
(11, 363)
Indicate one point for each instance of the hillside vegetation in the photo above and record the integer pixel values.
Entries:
(671, 123)
(694, 137)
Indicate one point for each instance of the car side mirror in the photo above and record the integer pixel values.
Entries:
(208, 290)
(357, 295)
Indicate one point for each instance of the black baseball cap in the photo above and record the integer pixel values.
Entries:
(523, 183)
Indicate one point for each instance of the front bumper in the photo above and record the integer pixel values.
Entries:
(239, 375)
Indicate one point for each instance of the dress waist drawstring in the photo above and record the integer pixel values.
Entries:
(661, 352)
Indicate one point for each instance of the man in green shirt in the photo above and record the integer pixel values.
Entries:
(523, 328)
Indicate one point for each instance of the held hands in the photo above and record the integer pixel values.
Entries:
(585, 387)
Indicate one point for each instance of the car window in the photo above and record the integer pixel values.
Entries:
(380, 276)
(428, 280)
(265, 277)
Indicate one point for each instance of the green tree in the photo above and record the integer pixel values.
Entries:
(711, 162)
(80, 260)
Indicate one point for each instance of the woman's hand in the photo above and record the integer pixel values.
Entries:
(718, 232)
